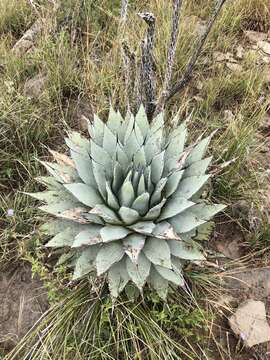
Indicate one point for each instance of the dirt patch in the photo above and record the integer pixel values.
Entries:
(250, 283)
(246, 280)
(228, 240)
(22, 301)
(243, 285)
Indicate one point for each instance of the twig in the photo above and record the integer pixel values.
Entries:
(125, 59)
(197, 51)
(129, 65)
(177, 5)
(124, 10)
(148, 83)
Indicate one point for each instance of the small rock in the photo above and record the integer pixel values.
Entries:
(28, 40)
(228, 239)
(230, 249)
(219, 56)
(250, 324)
(251, 283)
(34, 87)
(265, 125)
(239, 52)
(200, 28)
(264, 46)
(255, 36)
(234, 67)
(199, 85)
(229, 116)
(22, 46)
(198, 98)
(199, 24)
(266, 59)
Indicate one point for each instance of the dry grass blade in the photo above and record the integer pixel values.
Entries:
(82, 326)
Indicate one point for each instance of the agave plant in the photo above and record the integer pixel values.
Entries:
(127, 202)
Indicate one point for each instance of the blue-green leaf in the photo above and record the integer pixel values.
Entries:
(85, 262)
(197, 168)
(84, 168)
(133, 245)
(185, 222)
(155, 211)
(106, 213)
(138, 272)
(141, 120)
(143, 227)
(157, 251)
(158, 283)
(113, 232)
(111, 198)
(114, 120)
(64, 238)
(189, 186)
(129, 216)
(185, 251)
(198, 151)
(89, 236)
(108, 255)
(157, 167)
(141, 203)
(170, 275)
(173, 182)
(174, 206)
(118, 277)
(84, 193)
(126, 194)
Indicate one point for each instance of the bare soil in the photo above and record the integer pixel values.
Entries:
(246, 279)
(22, 301)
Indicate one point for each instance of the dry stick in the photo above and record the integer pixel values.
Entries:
(188, 72)
(138, 86)
(148, 83)
(129, 61)
(177, 4)
(124, 10)
(125, 59)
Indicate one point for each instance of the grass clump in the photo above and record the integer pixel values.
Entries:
(91, 326)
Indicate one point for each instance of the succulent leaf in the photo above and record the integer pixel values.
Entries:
(89, 236)
(138, 272)
(118, 277)
(133, 244)
(113, 232)
(108, 255)
(170, 275)
(185, 251)
(158, 251)
(85, 262)
(87, 195)
(84, 168)
(158, 283)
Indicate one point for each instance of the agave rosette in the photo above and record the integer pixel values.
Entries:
(127, 202)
